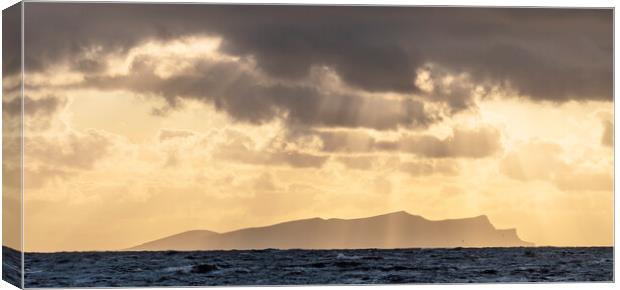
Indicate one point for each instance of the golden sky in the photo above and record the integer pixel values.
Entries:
(189, 123)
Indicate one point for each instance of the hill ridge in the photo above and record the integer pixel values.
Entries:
(398, 229)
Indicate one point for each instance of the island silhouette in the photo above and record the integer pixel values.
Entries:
(388, 231)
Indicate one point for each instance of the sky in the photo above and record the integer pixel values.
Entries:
(142, 121)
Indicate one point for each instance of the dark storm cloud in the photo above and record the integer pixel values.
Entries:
(244, 96)
(457, 94)
(476, 143)
(11, 40)
(545, 54)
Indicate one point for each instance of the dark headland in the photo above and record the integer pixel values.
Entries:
(388, 231)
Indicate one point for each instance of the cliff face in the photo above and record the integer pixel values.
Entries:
(394, 230)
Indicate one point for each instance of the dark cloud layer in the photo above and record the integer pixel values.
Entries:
(545, 54)
(246, 97)
(11, 39)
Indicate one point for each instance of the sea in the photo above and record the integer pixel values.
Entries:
(313, 267)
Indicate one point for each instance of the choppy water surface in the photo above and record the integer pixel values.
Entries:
(11, 266)
(294, 267)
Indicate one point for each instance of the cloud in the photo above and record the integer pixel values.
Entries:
(535, 160)
(415, 167)
(430, 167)
(62, 155)
(578, 181)
(608, 134)
(240, 148)
(345, 141)
(42, 106)
(39, 113)
(296, 159)
(265, 183)
(463, 143)
(357, 162)
(168, 134)
(477, 143)
(11, 176)
(544, 54)
(289, 158)
(543, 161)
(173, 157)
(11, 40)
(441, 85)
(73, 151)
(239, 90)
(41, 175)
